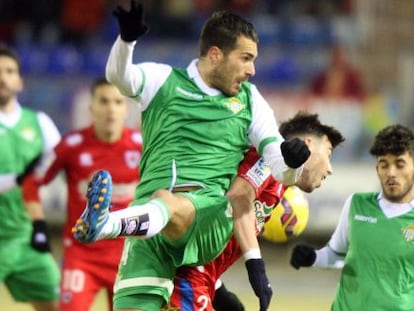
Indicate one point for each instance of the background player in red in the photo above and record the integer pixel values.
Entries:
(195, 287)
(107, 144)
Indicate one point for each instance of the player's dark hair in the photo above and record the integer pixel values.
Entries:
(223, 29)
(8, 52)
(99, 82)
(304, 123)
(393, 139)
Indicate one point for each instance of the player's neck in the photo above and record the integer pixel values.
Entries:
(8, 106)
(204, 71)
(108, 137)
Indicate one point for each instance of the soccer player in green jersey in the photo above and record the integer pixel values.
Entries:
(27, 267)
(375, 234)
(197, 122)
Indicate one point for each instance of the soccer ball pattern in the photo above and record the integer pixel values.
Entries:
(289, 218)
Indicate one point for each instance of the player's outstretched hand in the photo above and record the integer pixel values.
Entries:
(295, 152)
(302, 256)
(259, 281)
(28, 169)
(40, 237)
(225, 300)
(131, 23)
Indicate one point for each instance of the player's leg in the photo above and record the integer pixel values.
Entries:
(79, 286)
(35, 279)
(147, 267)
(145, 274)
(110, 297)
(165, 211)
(45, 306)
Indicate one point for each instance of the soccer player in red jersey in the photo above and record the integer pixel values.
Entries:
(107, 144)
(199, 288)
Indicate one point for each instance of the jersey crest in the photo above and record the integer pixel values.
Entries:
(234, 105)
(132, 158)
(408, 233)
(28, 133)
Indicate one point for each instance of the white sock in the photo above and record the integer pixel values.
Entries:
(142, 221)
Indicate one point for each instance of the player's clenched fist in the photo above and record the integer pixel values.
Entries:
(131, 23)
(295, 152)
(302, 256)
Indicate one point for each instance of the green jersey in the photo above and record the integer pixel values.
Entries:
(203, 137)
(379, 267)
(19, 145)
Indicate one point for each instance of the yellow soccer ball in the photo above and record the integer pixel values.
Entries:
(289, 218)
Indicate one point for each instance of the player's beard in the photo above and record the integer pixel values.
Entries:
(4, 101)
(398, 197)
(220, 79)
(5, 96)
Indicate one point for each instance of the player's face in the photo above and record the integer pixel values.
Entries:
(396, 174)
(108, 109)
(10, 80)
(237, 66)
(318, 166)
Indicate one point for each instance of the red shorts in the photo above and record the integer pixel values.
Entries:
(85, 273)
(194, 287)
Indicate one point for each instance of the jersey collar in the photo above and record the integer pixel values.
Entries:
(10, 119)
(194, 74)
(391, 209)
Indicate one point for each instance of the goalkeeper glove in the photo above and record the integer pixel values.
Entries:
(40, 236)
(131, 23)
(259, 281)
(225, 300)
(302, 256)
(295, 152)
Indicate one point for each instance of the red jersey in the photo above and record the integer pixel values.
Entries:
(194, 287)
(79, 155)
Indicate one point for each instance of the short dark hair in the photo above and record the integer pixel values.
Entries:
(99, 82)
(394, 139)
(223, 29)
(304, 123)
(8, 52)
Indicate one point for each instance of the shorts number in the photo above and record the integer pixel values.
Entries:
(73, 280)
(203, 300)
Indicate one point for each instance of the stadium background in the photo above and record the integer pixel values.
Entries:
(64, 44)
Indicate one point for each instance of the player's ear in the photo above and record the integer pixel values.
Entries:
(215, 54)
(90, 107)
(307, 139)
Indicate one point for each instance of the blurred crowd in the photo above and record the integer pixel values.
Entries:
(80, 22)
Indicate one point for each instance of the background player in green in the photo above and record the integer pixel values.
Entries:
(197, 123)
(375, 234)
(26, 265)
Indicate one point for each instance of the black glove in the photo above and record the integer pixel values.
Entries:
(40, 236)
(28, 169)
(131, 23)
(225, 300)
(302, 256)
(295, 152)
(259, 281)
